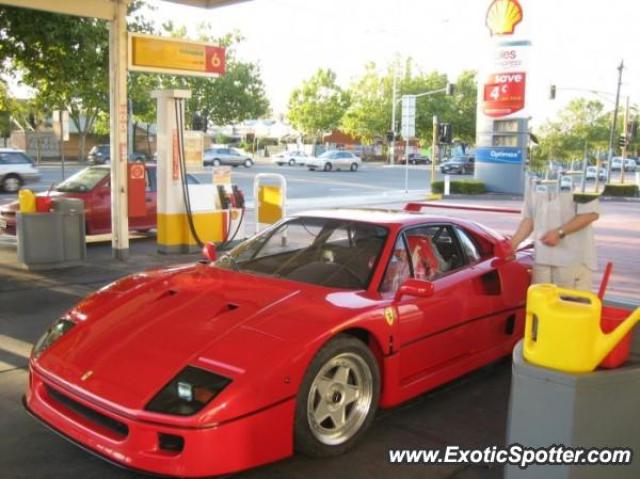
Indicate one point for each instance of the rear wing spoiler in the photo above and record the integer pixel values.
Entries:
(418, 206)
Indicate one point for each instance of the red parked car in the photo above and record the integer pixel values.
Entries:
(92, 186)
(289, 342)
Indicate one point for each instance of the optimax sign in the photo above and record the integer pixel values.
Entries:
(504, 93)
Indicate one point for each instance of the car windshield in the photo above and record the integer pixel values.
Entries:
(323, 251)
(83, 181)
(326, 154)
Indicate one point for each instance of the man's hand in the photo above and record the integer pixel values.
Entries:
(551, 238)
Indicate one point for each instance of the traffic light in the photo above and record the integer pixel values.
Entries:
(622, 141)
(390, 136)
(552, 92)
(451, 88)
(445, 133)
(197, 123)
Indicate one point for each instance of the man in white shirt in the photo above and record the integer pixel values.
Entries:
(565, 252)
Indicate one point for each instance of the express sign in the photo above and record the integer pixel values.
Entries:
(504, 94)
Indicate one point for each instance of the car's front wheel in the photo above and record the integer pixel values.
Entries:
(11, 183)
(292, 162)
(248, 163)
(216, 162)
(328, 166)
(338, 398)
(354, 167)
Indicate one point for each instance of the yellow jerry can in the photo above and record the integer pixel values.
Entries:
(562, 329)
(26, 201)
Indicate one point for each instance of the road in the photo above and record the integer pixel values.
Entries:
(301, 183)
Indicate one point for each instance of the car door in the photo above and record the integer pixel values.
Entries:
(99, 208)
(344, 160)
(495, 293)
(433, 331)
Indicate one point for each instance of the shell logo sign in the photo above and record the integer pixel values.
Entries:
(503, 16)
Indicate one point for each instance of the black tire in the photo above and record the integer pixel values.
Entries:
(292, 162)
(412, 162)
(327, 166)
(354, 167)
(305, 441)
(248, 163)
(216, 162)
(12, 183)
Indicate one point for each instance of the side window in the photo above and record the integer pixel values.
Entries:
(398, 269)
(15, 159)
(434, 251)
(471, 250)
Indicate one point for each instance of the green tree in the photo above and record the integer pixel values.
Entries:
(237, 95)
(581, 124)
(369, 113)
(317, 106)
(64, 58)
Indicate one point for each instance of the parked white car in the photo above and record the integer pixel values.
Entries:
(629, 164)
(16, 170)
(335, 160)
(291, 158)
(566, 183)
(591, 174)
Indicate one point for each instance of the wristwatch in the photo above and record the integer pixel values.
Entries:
(561, 233)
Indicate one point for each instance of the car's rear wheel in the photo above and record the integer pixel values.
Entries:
(292, 162)
(248, 163)
(328, 166)
(216, 162)
(11, 183)
(338, 398)
(354, 167)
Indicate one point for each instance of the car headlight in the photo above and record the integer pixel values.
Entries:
(55, 332)
(191, 390)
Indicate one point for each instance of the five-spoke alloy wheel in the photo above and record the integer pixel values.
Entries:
(338, 398)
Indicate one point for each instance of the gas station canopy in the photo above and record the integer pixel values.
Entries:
(102, 9)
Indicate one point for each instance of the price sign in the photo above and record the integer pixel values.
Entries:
(504, 94)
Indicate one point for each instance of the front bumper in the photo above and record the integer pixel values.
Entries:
(249, 441)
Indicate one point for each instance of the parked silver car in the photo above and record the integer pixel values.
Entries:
(226, 156)
(16, 169)
(334, 160)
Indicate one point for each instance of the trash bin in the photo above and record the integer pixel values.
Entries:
(590, 410)
(55, 239)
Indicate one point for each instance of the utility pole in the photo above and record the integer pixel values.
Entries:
(626, 138)
(392, 146)
(434, 149)
(613, 123)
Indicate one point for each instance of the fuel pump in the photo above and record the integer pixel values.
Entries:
(189, 214)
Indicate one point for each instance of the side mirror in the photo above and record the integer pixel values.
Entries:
(415, 287)
(209, 251)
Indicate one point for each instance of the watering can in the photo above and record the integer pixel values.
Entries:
(562, 329)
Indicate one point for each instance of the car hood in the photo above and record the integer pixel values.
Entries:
(135, 335)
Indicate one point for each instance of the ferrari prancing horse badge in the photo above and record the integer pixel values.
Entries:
(390, 315)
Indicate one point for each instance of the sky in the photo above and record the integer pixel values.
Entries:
(575, 43)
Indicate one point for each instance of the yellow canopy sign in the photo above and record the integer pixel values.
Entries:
(175, 56)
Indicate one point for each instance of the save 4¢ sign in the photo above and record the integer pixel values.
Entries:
(504, 93)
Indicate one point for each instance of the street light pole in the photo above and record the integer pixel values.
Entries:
(392, 146)
(626, 139)
(613, 123)
(434, 149)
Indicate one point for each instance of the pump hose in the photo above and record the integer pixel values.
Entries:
(183, 169)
